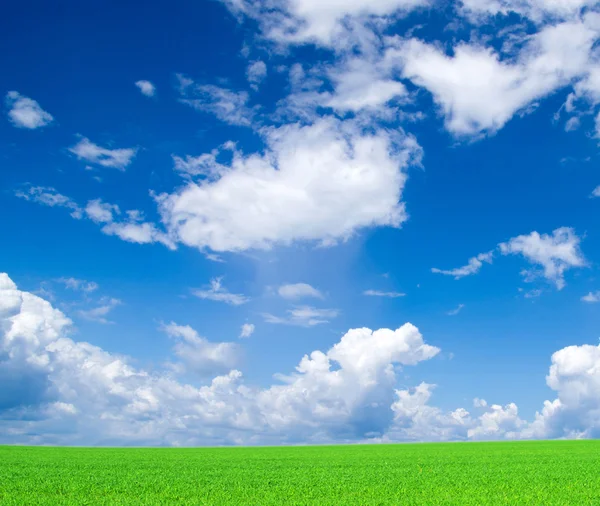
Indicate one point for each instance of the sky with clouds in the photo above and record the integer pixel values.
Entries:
(298, 221)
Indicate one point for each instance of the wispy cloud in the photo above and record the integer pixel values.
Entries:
(456, 310)
(25, 112)
(378, 293)
(48, 196)
(591, 297)
(473, 267)
(303, 316)
(105, 157)
(99, 314)
(78, 285)
(218, 293)
(298, 291)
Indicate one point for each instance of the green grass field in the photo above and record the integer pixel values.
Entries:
(540, 473)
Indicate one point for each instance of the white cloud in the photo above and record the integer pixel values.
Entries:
(554, 253)
(478, 91)
(596, 191)
(591, 297)
(247, 330)
(324, 22)
(146, 87)
(473, 267)
(456, 310)
(25, 112)
(198, 355)
(320, 182)
(50, 197)
(128, 226)
(99, 314)
(378, 293)
(256, 73)
(218, 293)
(47, 378)
(228, 106)
(303, 316)
(479, 403)
(344, 394)
(78, 285)
(537, 10)
(113, 158)
(298, 291)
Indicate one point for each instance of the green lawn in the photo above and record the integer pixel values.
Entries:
(540, 473)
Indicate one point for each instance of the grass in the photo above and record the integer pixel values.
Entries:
(523, 473)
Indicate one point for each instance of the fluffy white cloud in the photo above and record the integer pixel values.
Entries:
(228, 106)
(379, 293)
(25, 112)
(478, 91)
(324, 22)
(50, 197)
(146, 87)
(47, 378)
(219, 293)
(197, 354)
(473, 267)
(344, 394)
(591, 297)
(554, 253)
(303, 316)
(298, 291)
(256, 73)
(247, 330)
(318, 182)
(113, 158)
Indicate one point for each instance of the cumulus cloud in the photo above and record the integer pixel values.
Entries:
(478, 91)
(197, 354)
(298, 291)
(554, 253)
(378, 293)
(473, 267)
(247, 330)
(324, 22)
(303, 316)
(344, 394)
(25, 112)
(227, 105)
(591, 297)
(219, 293)
(47, 378)
(321, 182)
(146, 87)
(105, 157)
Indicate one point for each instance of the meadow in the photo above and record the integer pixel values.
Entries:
(519, 473)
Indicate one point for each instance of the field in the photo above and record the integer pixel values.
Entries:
(528, 473)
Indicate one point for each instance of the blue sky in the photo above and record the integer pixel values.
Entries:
(403, 192)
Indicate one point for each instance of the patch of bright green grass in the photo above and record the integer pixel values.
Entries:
(524, 473)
